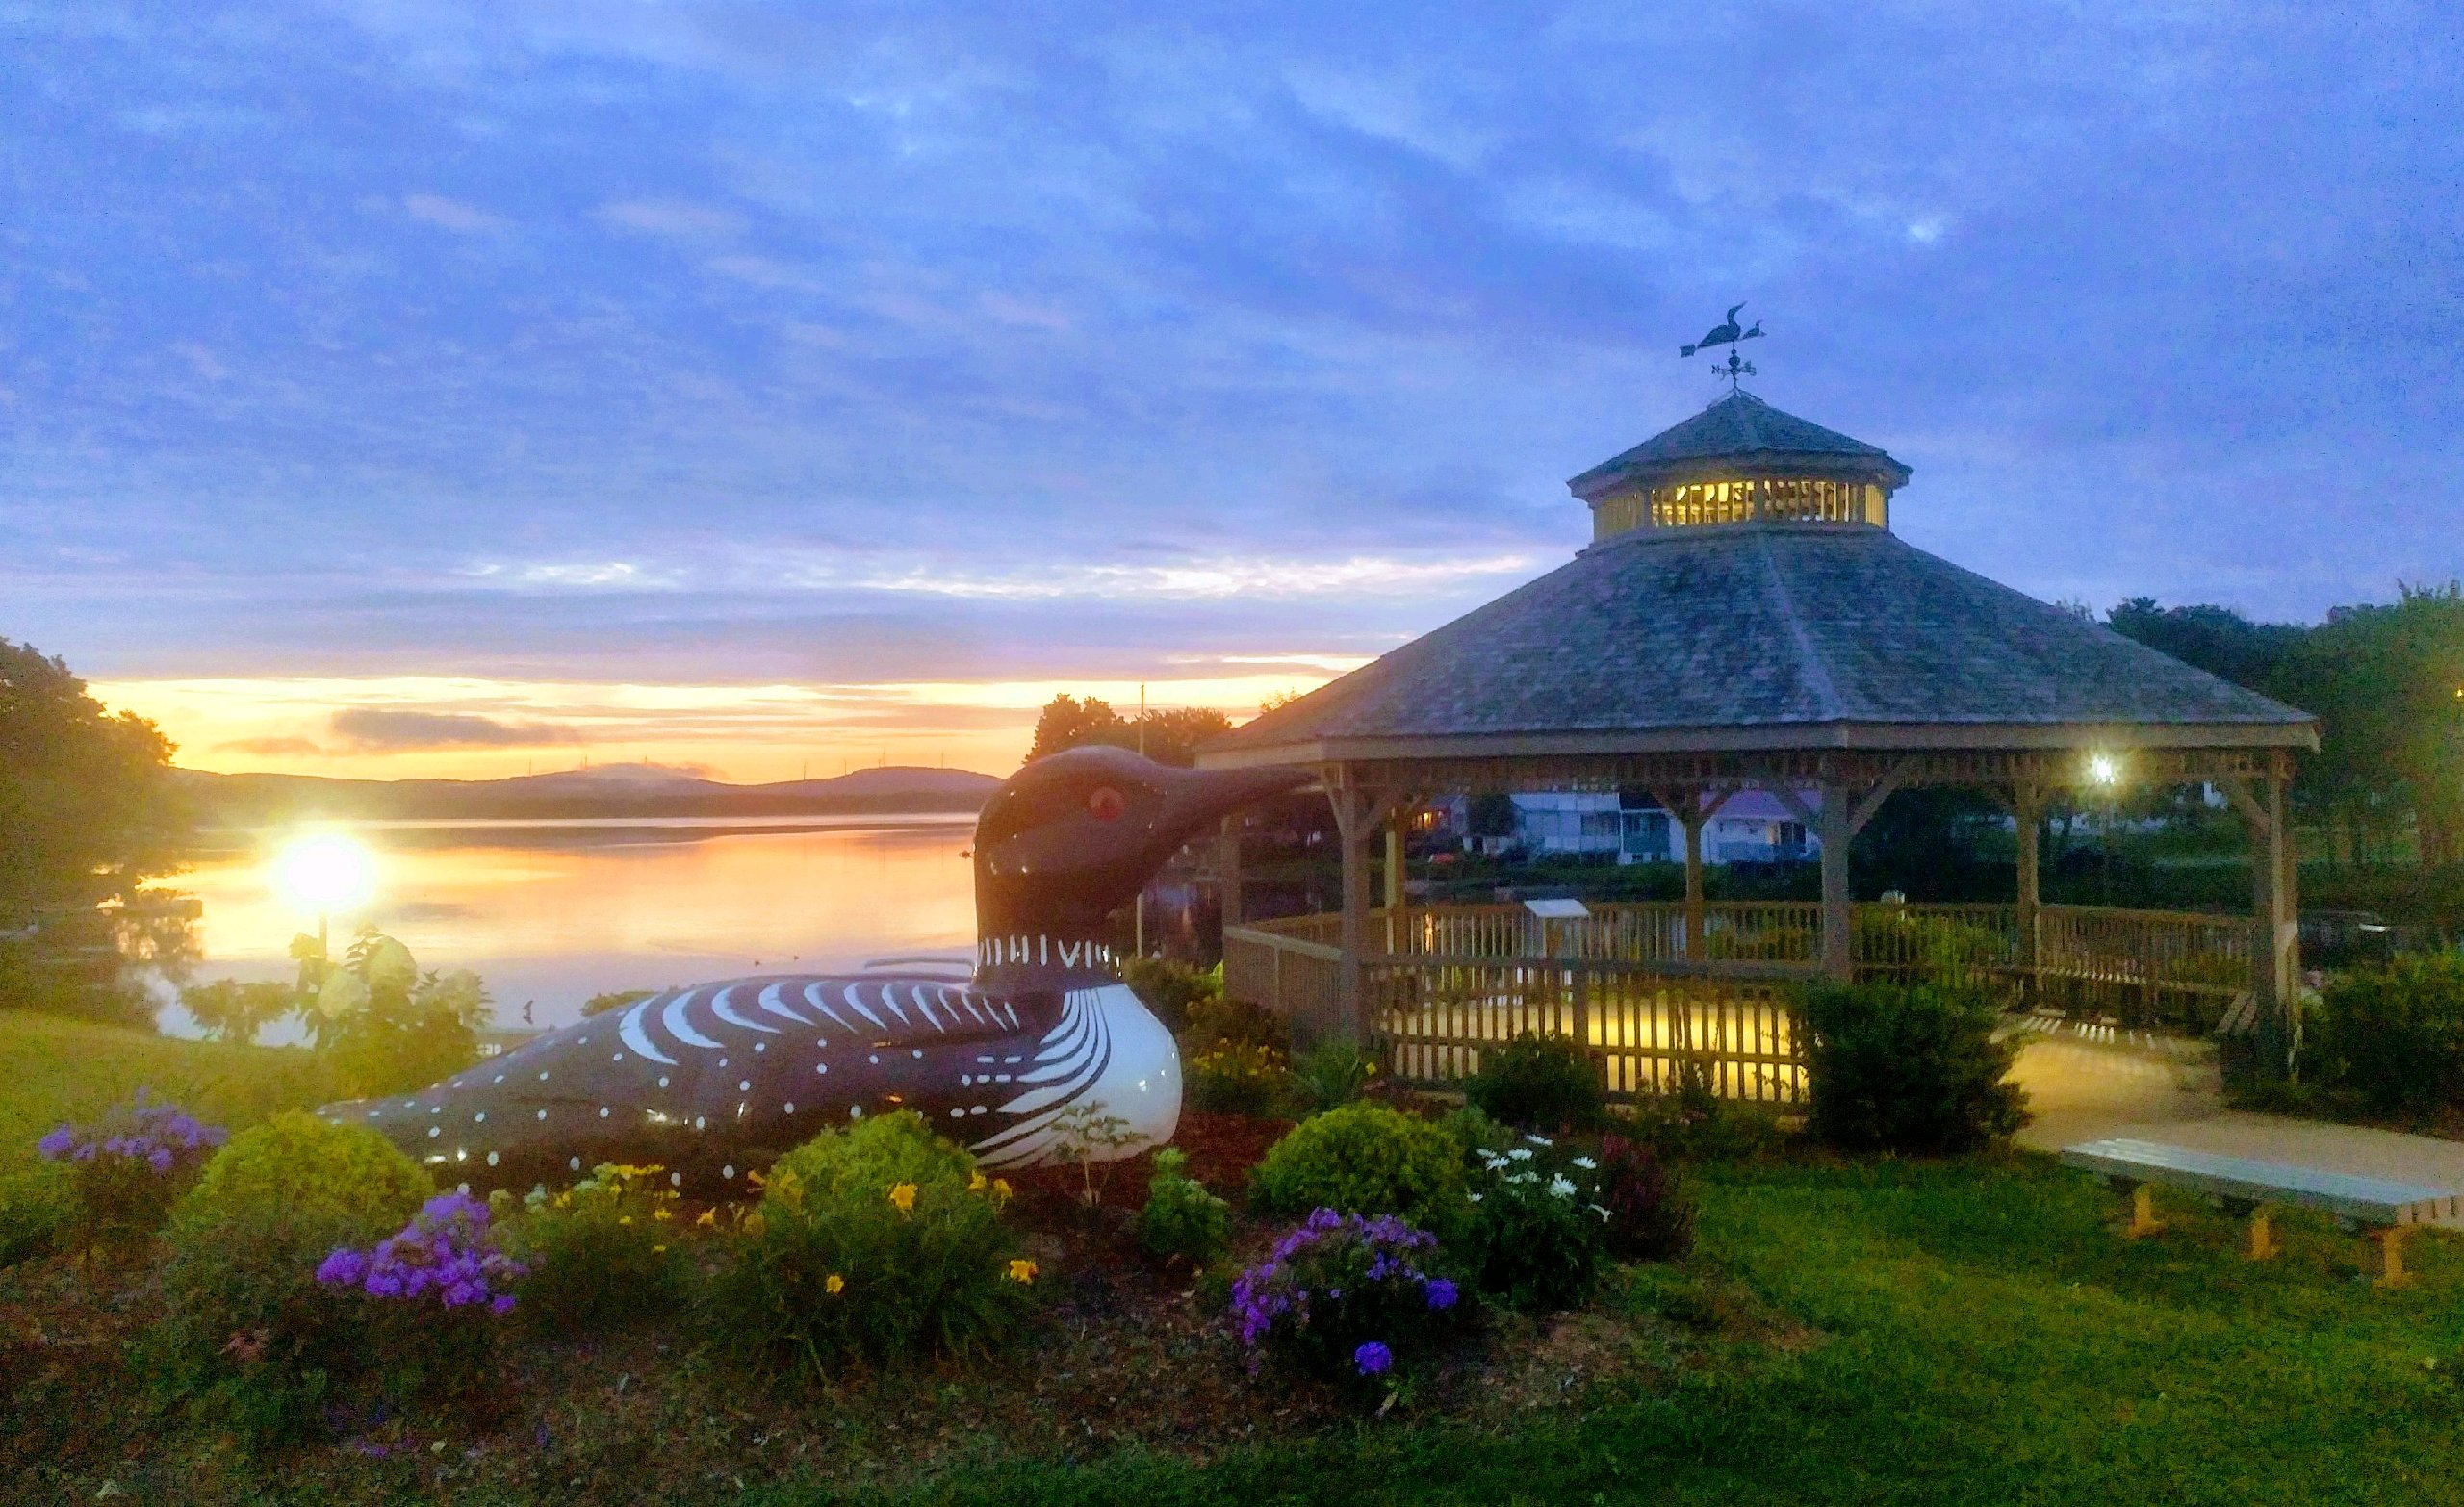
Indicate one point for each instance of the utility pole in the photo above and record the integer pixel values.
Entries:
(1140, 921)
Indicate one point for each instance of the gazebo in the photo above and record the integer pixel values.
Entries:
(1744, 617)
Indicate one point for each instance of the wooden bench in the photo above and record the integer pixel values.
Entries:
(2386, 1210)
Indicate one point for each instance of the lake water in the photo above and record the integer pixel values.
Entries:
(549, 914)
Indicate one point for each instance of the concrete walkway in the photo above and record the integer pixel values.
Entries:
(2113, 1083)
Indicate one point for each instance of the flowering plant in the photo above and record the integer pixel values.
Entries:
(602, 1252)
(871, 1245)
(1539, 1231)
(447, 1251)
(130, 1166)
(1340, 1294)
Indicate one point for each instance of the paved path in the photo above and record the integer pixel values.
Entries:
(2167, 1089)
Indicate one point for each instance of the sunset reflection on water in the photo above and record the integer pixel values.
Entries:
(554, 914)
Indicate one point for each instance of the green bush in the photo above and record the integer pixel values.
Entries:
(1173, 990)
(1928, 949)
(248, 1337)
(1364, 1159)
(1907, 1067)
(1221, 1019)
(601, 1254)
(1237, 1078)
(38, 1208)
(1540, 1083)
(296, 1162)
(1332, 1074)
(1182, 1221)
(2392, 1038)
(387, 1027)
(873, 1245)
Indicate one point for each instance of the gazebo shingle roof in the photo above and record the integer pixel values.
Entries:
(1804, 634)
(1738, 427)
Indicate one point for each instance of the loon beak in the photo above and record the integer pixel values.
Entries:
(1196, 797)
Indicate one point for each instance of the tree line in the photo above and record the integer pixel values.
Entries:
(2386, 682)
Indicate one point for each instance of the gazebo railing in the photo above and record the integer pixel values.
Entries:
(1441, 983)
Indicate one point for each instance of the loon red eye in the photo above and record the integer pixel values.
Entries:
(1105, 803)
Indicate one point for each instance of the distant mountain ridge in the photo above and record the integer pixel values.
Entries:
(609, 790)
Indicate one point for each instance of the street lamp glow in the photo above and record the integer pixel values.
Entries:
(2102, 769)
(326, 874)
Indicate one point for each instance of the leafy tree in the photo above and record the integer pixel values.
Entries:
(88, 814)
(229, 1011)
(390, 1027)
(1171, 736)
(2387, 682)
(1491, 814)
(2218, 640)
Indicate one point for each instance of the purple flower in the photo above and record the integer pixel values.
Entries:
(159, 1158)
(501, 1304)
(1373, 1359)
(1441, 1295)
(57, 1145)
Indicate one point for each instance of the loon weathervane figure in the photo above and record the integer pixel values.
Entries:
(715, 1081)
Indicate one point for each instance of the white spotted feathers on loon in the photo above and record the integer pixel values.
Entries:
(714, 1080)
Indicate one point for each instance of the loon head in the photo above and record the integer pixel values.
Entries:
(1071, 839)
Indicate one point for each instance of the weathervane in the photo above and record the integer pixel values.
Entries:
(1727, 333)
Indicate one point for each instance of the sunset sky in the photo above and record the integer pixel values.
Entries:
(402, 387)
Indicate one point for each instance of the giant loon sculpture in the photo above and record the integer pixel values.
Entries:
(713, 1082)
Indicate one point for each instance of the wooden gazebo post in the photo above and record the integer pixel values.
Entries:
(2276, 936)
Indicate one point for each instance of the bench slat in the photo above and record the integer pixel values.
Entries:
(2366, 1200)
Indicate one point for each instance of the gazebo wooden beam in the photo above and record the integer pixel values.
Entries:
(1359, 807)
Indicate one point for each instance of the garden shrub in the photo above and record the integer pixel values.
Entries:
(129, 1167)
(1537, 1234)
(248, 1336)
(38, 1210)
(603, 1252)
(1237, 1078)
(1929, 949)
(1907, 1067)
(1173, 990)
(1540, 1083)
(1219, 1018)
(2392, 1038)
(1344, 1298)
(1182, 1221)
(1364, 1159)
(426, 1298)
(1651, 1217)
(387, 1027)
(872, 1245)
(296, 1162)
(1332, 1074)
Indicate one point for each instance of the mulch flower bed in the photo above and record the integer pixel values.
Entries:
(1124, 1354)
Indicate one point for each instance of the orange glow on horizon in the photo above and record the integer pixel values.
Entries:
(454, 727)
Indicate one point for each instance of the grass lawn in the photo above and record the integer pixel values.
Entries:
(1981, 1337)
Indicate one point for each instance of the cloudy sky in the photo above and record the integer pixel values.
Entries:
(425, 387)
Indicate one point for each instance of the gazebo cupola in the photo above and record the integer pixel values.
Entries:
(1741, 461)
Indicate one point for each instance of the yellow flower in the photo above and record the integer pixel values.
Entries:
(660, 1214)
(975, 1182)
(659, 1250)
(753, 1223)
(1023, 1272)
(756, 1179)
(623, 1219)
(833, 1285)
(1000, 1189)
(903, 1197)
(709, 1218)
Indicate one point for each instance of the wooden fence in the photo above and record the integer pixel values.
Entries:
(1440, 983)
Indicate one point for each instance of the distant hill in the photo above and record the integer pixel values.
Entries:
(609, 790)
